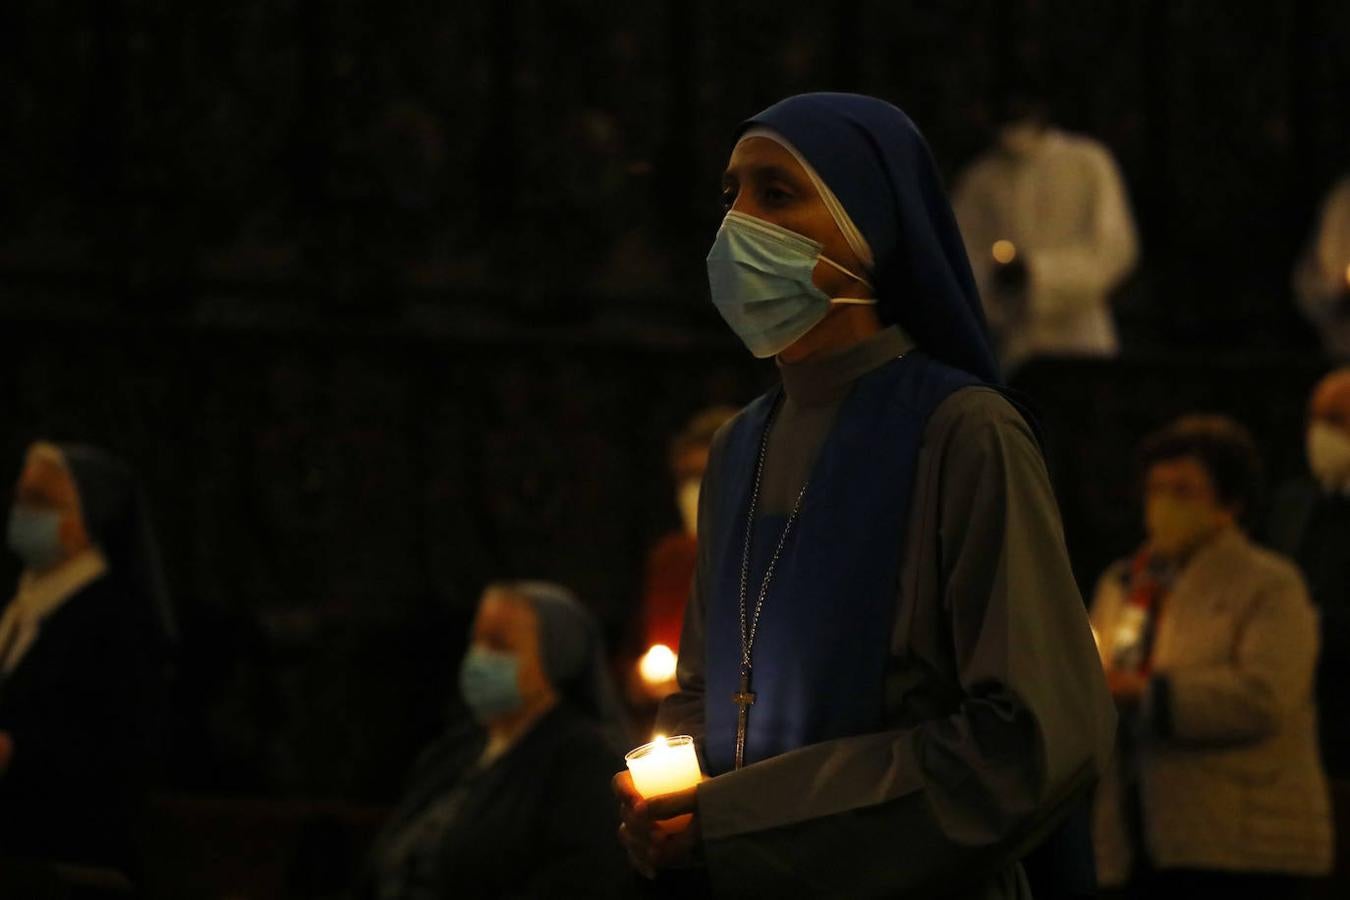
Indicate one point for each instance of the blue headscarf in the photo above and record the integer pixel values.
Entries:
(877, 163)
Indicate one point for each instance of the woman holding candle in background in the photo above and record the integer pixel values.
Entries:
(516, 802)
(1321, 278)
(649, 665)
(1210, 644)
(671, 564)
(885, 661)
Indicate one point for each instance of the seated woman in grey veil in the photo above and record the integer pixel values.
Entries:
(516, 802)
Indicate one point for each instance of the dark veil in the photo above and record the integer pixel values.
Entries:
(118, 522)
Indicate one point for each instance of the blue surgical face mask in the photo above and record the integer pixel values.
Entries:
(760, 277)
(35, 536)
(489, 681)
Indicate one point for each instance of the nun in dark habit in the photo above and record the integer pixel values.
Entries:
(885, 661)
(85, 643)
(516, 802)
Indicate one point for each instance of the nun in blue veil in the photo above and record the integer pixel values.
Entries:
(886, 663)
(85, 645)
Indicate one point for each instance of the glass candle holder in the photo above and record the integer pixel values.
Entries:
(664, 766)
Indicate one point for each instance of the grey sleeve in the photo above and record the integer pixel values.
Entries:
(683, 712)
(953, 801)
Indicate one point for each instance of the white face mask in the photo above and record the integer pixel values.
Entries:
(1329, 456)
(761, 278)
(686, 498)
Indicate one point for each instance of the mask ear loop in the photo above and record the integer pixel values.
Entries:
(856, 301)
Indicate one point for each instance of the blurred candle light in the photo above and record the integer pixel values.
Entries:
(657, 665)
(1347, 276)
(1004, 252)
(664, 766)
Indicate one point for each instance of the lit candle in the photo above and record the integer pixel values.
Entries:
(657, 665)
(666, 765)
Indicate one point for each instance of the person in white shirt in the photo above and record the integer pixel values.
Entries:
(1048, 229)
(1322, 275)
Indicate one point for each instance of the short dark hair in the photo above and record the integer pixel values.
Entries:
(1024, 93)
(1221, 444)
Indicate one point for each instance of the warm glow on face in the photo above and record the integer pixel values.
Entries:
(657, 665)
(1004, 252)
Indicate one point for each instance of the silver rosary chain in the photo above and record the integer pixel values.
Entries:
(748, 639)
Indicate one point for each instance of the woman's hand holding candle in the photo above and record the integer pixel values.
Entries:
(658, 833)
(658, 805)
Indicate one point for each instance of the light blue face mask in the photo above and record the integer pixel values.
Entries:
(489, 682)
(760, 277)
(35, 536)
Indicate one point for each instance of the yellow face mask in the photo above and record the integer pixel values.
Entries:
(1176, 527)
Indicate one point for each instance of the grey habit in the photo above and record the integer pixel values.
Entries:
(998, 713)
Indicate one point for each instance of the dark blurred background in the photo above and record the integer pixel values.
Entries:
(385, 300)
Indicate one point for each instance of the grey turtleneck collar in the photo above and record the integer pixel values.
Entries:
(821, 382)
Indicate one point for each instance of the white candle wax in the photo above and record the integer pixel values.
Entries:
(664, 766)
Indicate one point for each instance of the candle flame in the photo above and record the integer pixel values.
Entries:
(1004, 252)
(658, 664)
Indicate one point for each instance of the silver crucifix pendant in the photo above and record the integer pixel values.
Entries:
(743, 699)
